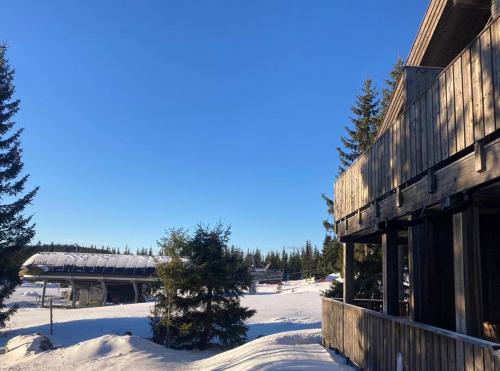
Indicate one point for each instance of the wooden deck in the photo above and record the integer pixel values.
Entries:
(376, 341)
(459, 109)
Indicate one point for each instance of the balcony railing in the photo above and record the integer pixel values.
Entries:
(460, 108)
(377, 341)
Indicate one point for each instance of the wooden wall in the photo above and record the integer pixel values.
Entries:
(461, 107)
(373, 341)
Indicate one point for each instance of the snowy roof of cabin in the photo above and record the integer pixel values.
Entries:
(62, 261)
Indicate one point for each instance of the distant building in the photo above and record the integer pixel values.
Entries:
(95, 279)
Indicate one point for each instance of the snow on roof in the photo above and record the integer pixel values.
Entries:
(62, 261)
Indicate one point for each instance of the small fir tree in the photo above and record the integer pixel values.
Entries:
(16, 230)
(201, 296)
(171, 274)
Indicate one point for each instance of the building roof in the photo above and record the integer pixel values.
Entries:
(447, 28)
(68, 262)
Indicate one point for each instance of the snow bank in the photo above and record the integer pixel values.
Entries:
(297, 349)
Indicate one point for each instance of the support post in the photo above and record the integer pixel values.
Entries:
(390, 277)
(51, 319)
(252, 290)
(136, 292)
(104, 298)
(348, 272)
(43, 292)
(467, 272)
(73, 294)
(400, 272)
(416, 241)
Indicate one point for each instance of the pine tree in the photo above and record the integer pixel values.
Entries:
(284, 263)
(364, 126)
(307, 260)
(331, 256)
(205, 302)
(16, 230)
(171, 275)
(390, 86)
(329, 208)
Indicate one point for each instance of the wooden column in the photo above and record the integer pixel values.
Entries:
(416, 248)
(136, 292)
(104, 298)
(43, 292)
(348, 272)
(467, 272)
(390, 277)
(73, 294)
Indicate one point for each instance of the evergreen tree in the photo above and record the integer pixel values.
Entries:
(172, 274)
(364, 126)
(329, 208)
(331, 256)
(205, 300)
(307, 260)
(284, 263)
(295, 265)
(16, 230)
(390, 86)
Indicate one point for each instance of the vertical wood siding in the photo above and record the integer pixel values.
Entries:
(461, 107)
(373, 341)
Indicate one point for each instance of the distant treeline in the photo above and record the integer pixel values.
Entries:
(303, 262)
(56, 247)
(24, 253)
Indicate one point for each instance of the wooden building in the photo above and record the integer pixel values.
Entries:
(430, 186)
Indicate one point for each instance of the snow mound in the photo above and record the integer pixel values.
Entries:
(28, 344)
(103, 353)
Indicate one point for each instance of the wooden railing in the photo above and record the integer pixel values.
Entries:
(461, 107)
(375, 341)
(377, 304)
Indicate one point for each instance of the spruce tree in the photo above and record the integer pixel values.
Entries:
(16, 230)
(284, 263)
(389, 88)
(204, 301)
(364, 126)
(329, 208)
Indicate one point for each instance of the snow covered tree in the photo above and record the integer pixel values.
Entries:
(201, 296)
(16, 230)
(364, 126)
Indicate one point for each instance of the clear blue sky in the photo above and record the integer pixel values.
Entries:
(145, 115)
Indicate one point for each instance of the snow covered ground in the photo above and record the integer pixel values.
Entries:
(92, 338)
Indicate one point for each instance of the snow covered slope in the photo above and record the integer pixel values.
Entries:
(90, 338)
(296, 349)
(297, 307)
